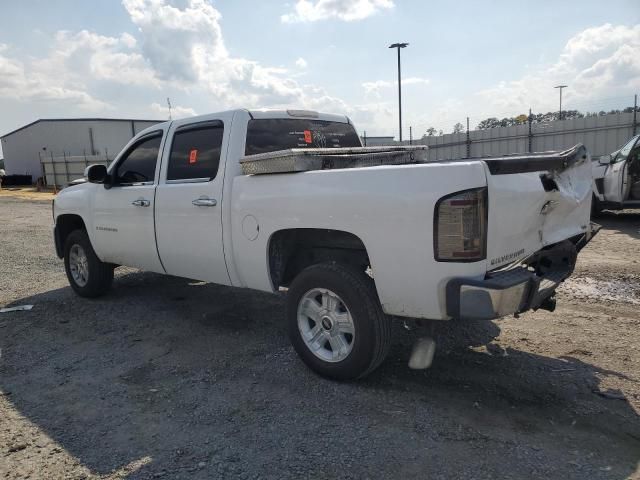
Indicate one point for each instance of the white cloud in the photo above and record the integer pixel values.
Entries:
(347, 10)
(594, 63)
(377, 118)
(600, 64)
(103, 58)
(205, 63)
(32, 82)
(82, 63)
(194, 32)
(74, 61)
(374, 88)
(128, 40)
(177, 111)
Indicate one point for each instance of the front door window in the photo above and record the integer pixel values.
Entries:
(138, 165)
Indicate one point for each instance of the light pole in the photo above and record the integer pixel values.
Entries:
(560, 87)
(398, 46)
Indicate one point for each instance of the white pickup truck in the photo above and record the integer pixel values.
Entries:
(354, 247)
(616, 178)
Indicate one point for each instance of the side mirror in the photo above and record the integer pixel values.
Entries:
(604, 160)
(96, 173)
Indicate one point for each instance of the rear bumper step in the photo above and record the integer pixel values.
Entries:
(516, 290)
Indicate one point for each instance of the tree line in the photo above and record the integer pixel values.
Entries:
(494, 122)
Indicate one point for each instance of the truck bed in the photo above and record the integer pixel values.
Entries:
(308, 159)
(534, 201)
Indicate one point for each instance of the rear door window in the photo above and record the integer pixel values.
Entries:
(195, 152)
(270, 135)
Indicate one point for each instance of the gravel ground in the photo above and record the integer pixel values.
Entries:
(169, 378)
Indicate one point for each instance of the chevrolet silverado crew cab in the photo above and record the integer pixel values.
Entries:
(616, 178)
(356, 236)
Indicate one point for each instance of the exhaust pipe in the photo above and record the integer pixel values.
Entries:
(422, 353)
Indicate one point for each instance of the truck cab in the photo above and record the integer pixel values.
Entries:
(165, 190)
(616, 178)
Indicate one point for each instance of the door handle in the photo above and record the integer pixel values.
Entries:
(204, 202)
(141, 202)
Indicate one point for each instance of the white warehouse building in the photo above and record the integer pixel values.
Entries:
(48, 140)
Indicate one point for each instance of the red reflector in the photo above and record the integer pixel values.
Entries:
(193, 156)
(307, 136)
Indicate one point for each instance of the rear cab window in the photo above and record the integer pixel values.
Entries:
(195, 152)
(270, 135)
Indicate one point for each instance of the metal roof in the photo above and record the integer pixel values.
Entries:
(80, 120)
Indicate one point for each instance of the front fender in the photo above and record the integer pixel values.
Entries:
(76, 200)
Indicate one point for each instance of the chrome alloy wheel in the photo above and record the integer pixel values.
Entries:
(79, 265)
(326, 325)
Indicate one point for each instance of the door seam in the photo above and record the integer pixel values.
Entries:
(155, 194)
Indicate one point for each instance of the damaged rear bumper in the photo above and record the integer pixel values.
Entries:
(500, 294)
(531, 285)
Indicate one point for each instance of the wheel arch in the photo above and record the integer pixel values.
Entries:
(289, 251)
(65, 224)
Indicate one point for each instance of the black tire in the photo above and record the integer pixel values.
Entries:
(372, 328)
(100, 274)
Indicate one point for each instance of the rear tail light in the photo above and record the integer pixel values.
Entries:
(460, 227)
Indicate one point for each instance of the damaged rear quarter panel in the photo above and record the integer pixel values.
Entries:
(523, 217)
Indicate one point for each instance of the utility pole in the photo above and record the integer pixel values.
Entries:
(635, 111)
(169, 105)
(560, 87)
(530, 136)
(410, 135)
(468, 140)
(398, 46)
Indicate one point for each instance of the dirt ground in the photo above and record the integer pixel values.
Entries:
(27, 193)
(170, 378)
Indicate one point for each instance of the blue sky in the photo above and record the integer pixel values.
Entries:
(478, 59)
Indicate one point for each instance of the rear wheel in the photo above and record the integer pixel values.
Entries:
(336, 323)
(87, 275)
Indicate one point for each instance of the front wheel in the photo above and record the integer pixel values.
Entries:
(87, 275)
(336, 323)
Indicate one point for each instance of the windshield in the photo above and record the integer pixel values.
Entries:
(269, 135)
(623, 153)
